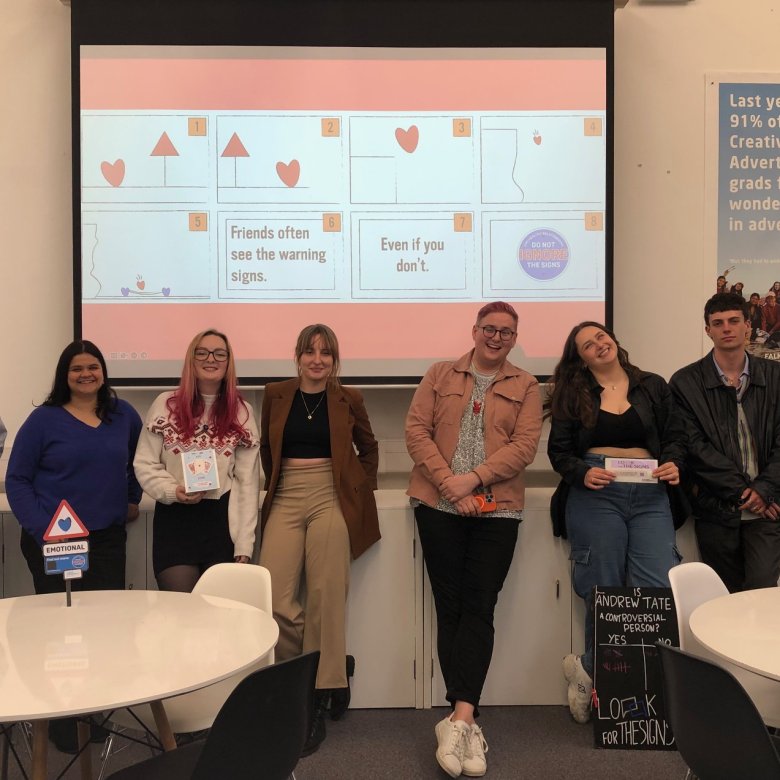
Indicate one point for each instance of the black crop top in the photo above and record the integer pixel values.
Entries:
(304, 438)
(619, 430)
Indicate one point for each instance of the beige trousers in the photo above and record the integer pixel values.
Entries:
(306, 541)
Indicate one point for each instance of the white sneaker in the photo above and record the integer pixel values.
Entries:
(474, 762)
(451, 735)
(580, 688)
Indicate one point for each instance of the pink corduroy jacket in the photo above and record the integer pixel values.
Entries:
(513, 424)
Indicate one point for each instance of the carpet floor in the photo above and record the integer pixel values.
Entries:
(532, 743)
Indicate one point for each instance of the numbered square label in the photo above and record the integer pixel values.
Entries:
(463, 222)
(331, 223)
(593, 125)
(199, 221)
(594, 220)
(461, 127)
(196, 125)
(331, 127)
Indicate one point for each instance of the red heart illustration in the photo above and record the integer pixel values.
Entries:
(289, 173)
(113, 174)
(407, 139)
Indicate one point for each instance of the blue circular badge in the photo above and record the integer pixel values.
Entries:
(543, 254)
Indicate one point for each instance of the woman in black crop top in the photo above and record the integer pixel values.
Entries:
(319, 511)
(621, 533)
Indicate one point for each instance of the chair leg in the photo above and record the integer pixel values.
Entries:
(105, 754)
(7, 731)
(5, 736)
(85, 756)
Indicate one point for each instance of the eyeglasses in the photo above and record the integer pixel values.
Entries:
(490, 331)
(202, 355)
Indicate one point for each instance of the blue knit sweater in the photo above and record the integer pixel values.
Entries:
(56, 456)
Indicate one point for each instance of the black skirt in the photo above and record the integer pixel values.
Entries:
(191, 534)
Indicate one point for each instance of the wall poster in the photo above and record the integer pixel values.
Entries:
(742, 199)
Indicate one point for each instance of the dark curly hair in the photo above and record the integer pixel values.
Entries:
(721, 302)
(569, 396)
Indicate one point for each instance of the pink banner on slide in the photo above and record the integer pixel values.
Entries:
(365, 330)
(343, 85)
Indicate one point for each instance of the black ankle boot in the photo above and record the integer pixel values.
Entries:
(341, 697)
(317, 728)
(63, 732)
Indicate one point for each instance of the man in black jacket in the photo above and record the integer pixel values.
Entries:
(730, 402)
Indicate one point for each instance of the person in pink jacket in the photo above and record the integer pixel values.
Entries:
(472, 428)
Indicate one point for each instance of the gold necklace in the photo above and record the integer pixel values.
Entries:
(615, 386)
(310, 413)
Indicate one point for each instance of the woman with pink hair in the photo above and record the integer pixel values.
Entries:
(204, 421)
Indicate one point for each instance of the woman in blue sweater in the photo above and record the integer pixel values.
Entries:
(79, 446)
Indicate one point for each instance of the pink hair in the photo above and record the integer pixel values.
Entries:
(186, 405)
(496, 307)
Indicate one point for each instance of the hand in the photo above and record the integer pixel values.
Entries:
(598, 479)
(668, 472)
(772, 511)
(241, 559)
(132, 512)
(468, 506)
(183, 497)
(752, 502)
(459, 486)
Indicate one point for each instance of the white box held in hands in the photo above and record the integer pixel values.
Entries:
(200, 470)
(632, 469)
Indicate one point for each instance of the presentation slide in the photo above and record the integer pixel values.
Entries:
(385, 192)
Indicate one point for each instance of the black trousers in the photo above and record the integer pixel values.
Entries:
(107, 558)
(746, 556)
(467, 559)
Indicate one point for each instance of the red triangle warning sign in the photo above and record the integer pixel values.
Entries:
(235, 148)
(65, 524)
(164, 148)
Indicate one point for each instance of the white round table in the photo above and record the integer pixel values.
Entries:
(743, 628)
(119, 648)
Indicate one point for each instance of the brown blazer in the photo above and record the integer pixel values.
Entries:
(354, 474)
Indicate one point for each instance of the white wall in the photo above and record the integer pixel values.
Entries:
(663, 50)
(35, 200)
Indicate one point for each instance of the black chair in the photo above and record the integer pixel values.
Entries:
(718, 730)
(259, 732)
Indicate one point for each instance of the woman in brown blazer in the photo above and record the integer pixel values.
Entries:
(319, 511)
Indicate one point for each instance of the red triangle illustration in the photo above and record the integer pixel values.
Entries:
(65, 524)
(164, 148)
(235, 148)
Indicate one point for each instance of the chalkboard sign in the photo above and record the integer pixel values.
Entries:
(629, 711)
